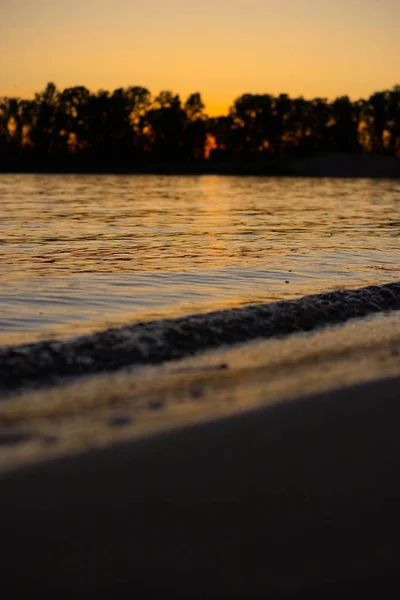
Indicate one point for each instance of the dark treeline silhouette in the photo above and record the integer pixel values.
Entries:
(129, 130)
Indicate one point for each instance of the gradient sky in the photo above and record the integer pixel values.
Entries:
(221, 48)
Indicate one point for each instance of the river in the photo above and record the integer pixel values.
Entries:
(81, 253)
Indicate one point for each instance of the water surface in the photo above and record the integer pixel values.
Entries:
(85, 252)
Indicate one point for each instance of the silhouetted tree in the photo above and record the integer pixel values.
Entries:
(128, 129)
(166, 123)
(393, 121)
(195, 129)
(44, 132)
(254, 123)
(345, 127)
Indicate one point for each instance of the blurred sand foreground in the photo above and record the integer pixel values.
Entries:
(99, 410)
(269, 469)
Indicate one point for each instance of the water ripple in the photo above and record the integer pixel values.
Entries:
(142, 247)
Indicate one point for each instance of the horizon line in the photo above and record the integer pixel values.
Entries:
(211, 108)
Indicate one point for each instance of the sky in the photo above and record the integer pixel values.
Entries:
(221, 48)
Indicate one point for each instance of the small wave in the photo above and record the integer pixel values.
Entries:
(165, 339)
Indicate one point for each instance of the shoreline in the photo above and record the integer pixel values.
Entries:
(158, 341)
(92, 411)
(340, 165)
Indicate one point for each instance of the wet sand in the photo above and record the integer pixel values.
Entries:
(269, 469)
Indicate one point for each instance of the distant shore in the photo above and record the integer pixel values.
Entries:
(324, 165)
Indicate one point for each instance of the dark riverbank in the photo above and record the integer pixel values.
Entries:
(324, 165)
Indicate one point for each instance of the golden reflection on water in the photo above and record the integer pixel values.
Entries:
(84, 252)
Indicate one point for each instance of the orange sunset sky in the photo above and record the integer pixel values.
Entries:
(221, 48)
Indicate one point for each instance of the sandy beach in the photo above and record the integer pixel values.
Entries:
(266, 469)
(91, 411)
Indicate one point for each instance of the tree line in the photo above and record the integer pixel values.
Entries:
(130, 129)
